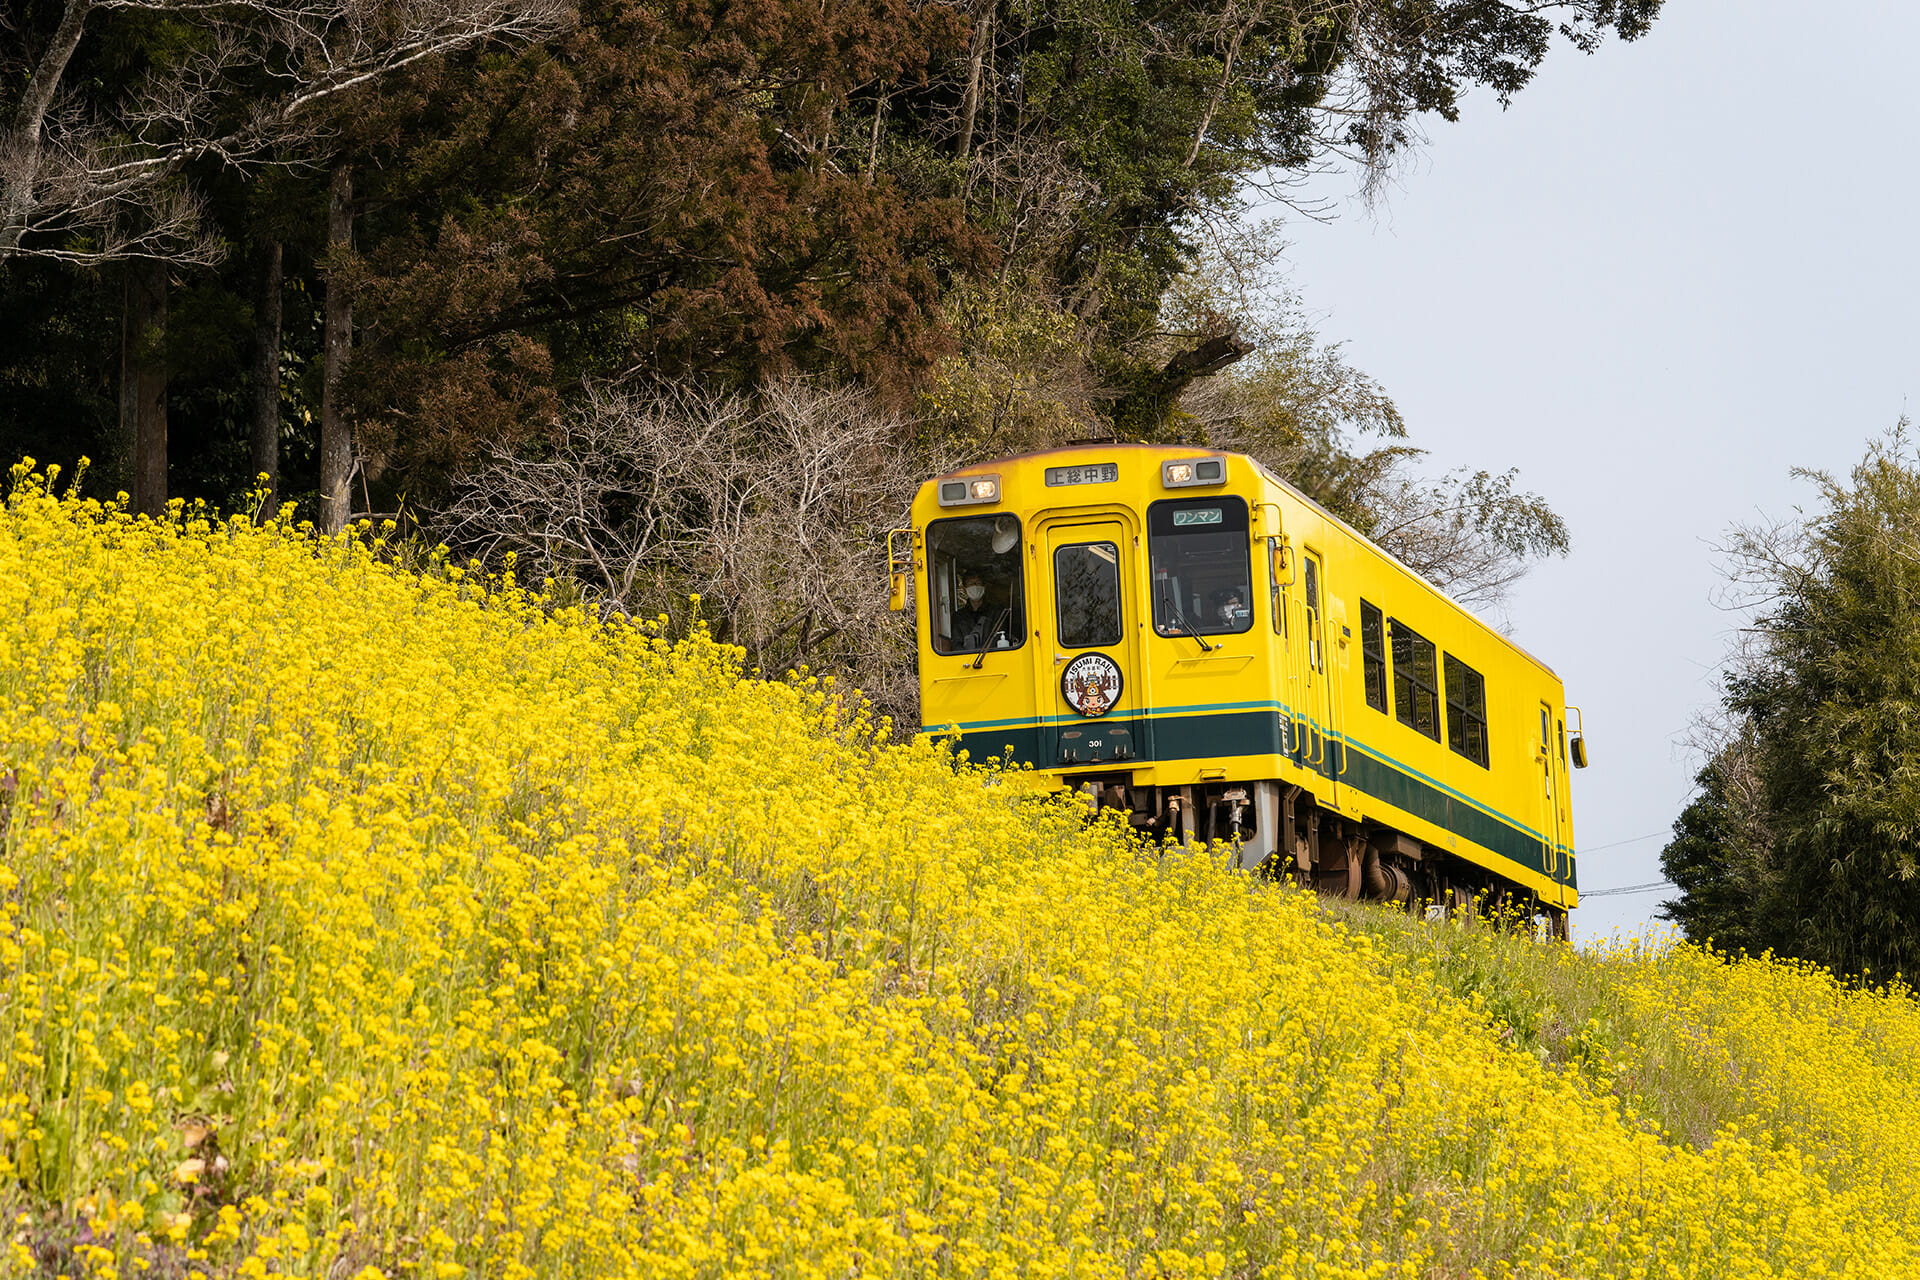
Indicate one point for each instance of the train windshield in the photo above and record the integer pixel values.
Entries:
(1202, 573)
(973, 573)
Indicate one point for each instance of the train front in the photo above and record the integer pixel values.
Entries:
(1045, 586)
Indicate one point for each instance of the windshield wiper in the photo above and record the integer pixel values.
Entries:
(1181, 618)
(986, 638)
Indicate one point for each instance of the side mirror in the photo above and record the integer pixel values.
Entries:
(1282, 564)
(1578, 746)
(897, 591)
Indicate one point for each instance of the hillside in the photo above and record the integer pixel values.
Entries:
(366, 923)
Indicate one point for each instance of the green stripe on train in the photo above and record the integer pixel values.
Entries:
(1263, 733)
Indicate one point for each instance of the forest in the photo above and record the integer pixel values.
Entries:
(697, 283)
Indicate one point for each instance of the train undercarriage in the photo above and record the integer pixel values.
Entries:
(1281, 832)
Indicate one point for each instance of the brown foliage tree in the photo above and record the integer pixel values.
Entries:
(660, 191)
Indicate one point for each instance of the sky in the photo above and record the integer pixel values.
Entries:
(1664, 277)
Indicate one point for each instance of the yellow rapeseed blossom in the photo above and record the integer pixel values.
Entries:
(355, 922)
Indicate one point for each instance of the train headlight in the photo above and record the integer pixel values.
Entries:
(1193, 471)
(969, 491)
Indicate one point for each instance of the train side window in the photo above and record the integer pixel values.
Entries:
(1416, 681)
(1466, 711)
(1086, 594)
(978, 597)
(1310, 593)
(1202, 573)
(1373, 655)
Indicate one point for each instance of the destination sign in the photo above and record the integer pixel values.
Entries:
(1090, 473)
(1198, 515)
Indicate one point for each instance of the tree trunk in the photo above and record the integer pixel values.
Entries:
(266, 368)
(1143, 413)
(112, 471)
(976, 59)
(336, 436)
(20, 138)
(1220, 87)
(873, 147)
(143, 382)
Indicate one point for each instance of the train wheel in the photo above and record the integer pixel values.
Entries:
(1337, 881)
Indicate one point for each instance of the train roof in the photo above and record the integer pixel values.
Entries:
(1272, 477)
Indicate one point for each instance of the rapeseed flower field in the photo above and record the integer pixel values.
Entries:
(358, 922)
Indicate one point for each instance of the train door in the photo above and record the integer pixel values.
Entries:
(1089, 627)
(1563, 786)
(1552, 785)
(1317, 738)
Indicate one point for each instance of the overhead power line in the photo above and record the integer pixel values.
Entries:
(1624, 889)
(1617, 843)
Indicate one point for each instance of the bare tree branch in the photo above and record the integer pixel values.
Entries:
(772, 510)
(88, 182)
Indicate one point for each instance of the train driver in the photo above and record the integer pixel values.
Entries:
(972, 616)
(974, 567)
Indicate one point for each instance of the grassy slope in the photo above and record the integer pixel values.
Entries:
(362, 921)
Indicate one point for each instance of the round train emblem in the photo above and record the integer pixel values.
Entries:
(1091, 684)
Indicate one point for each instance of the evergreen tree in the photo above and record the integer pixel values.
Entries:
(1829, 697)
(1719, 857)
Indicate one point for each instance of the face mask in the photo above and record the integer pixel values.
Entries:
(974, 593)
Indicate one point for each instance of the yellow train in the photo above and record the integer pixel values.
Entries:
(1182, 635)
